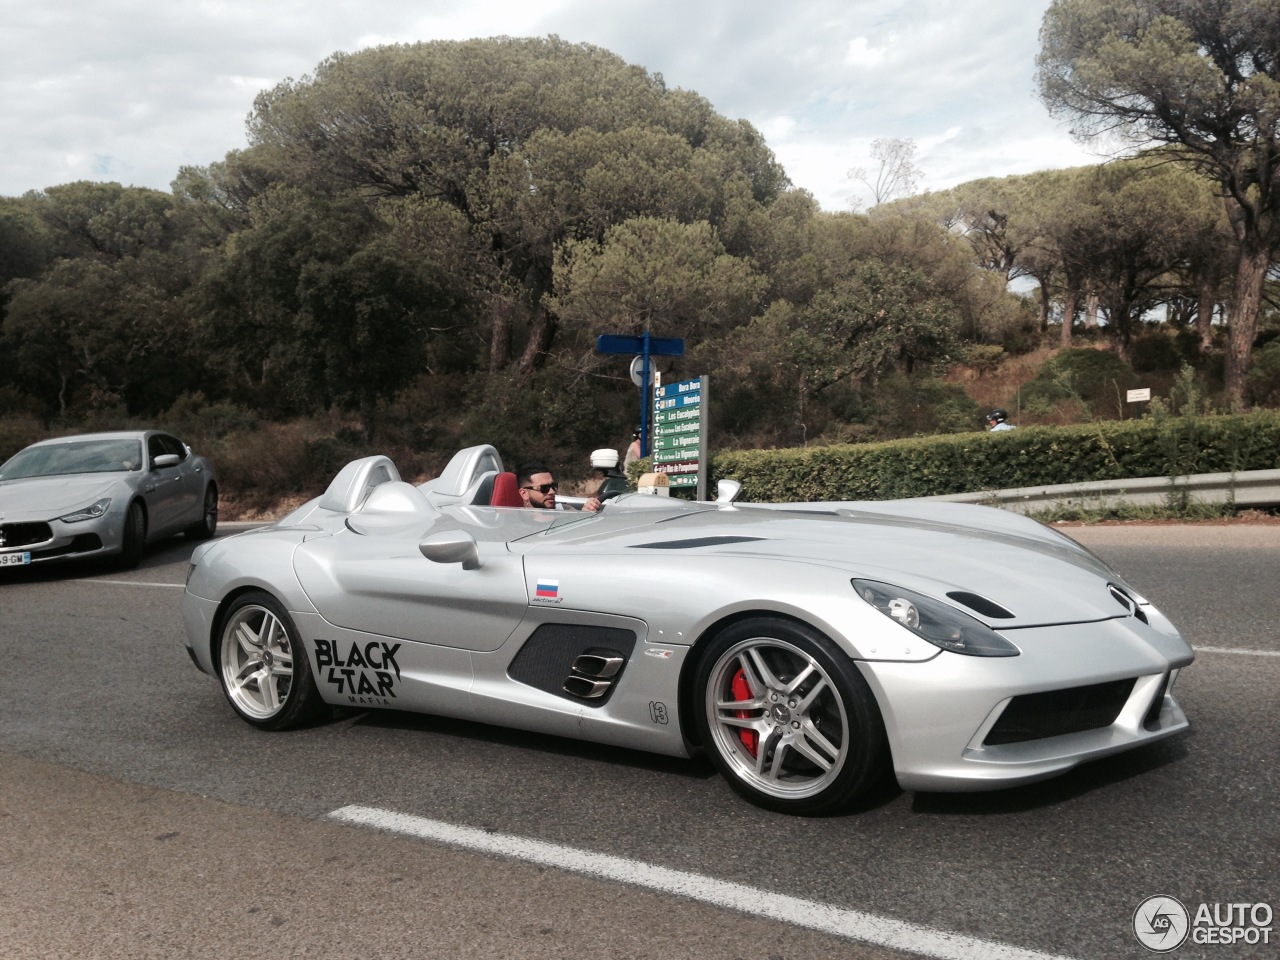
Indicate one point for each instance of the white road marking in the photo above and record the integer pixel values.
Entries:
(128, 583)
(1243, 653)
(851, 924)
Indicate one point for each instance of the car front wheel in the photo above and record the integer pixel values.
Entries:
(133, 541)
(787, 718)
(262, 665)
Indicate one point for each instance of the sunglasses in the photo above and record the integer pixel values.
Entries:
(541, 487)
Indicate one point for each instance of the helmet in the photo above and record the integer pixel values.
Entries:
(997, 416)
(604, 459)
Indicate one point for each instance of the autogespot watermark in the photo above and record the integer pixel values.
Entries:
(1162, 924)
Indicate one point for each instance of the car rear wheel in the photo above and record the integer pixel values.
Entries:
(262, 665)
(208, 524)
(133, 542)
(787, 718)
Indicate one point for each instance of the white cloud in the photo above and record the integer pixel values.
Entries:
(862, 54)
(133, 89)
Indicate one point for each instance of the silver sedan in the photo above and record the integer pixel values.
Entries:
(103, 495)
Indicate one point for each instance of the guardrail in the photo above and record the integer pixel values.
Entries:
(1250, 488)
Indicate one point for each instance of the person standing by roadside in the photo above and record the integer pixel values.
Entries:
(633, 450)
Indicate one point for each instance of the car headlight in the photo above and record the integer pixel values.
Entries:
(939, 623)
(91, 512)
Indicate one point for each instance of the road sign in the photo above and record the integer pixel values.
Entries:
(680, 433)
(646, 345)
(637, 372)
(656, 346)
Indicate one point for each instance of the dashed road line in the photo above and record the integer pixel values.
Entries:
(1238, 652)
(824, 918)
(128, 583)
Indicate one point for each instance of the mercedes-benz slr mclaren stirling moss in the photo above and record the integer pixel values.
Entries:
(807, 648)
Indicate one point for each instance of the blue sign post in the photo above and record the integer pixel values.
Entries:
(646, 345)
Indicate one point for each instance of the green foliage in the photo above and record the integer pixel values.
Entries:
(879, 317)
(1026, 457)
(654, 275)
(18, 430)
(1201, 77)
(1097, 380)
(1264, 377)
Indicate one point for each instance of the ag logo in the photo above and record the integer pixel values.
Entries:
(1161, 924)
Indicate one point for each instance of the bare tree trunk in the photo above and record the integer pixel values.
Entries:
(1045, 306)
(499, 335)
(1247, 303)
(1205, 304)
(1069, 300)
(539, 342)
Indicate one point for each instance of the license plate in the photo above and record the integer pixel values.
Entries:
(15, 559)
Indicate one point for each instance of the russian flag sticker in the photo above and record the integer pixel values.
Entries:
(547, 589)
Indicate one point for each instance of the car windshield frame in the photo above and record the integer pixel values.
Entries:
(75, 457)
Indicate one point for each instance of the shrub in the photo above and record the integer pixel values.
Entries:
(1097, 380)
(1026, 457)
(1264, 375)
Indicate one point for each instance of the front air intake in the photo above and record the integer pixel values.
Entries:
(1035, 716)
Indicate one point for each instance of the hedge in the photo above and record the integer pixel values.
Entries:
(1025, 457)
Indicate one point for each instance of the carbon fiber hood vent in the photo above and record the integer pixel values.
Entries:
(980, 604)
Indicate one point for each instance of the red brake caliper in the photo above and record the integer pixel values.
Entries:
(742, 691)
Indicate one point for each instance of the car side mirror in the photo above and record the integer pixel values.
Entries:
(451, 546)
(166, 460)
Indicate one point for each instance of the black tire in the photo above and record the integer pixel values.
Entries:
(262, 665)
(208, 523)
(133, 541)
(808, 738)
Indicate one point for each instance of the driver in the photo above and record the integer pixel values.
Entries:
(537, 487)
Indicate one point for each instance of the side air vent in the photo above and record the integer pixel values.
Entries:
(693, 542)
(594, 673)
(980, 604)
(1125, 600)
(583, 663)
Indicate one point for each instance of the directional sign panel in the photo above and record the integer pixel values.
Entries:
(680, 433)
(657, 346)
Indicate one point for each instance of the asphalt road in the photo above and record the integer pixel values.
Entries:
(140, 818)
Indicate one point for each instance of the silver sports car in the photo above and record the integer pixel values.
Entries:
(103, 494)
(807, 648)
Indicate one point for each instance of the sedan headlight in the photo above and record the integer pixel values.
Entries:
(91, 512)
(939, 623)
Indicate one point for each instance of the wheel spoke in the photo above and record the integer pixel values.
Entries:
(249, 641)
(799, 680)
(757, 675)
(806, 703)
(825, 753)
(769, 756)
(251, 670)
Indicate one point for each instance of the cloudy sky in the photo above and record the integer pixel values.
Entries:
(131, 90)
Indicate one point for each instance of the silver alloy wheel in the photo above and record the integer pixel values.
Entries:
(257, 661)
(785, 730)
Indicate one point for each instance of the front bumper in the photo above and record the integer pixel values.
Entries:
(54, 540)
(1099, 688)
